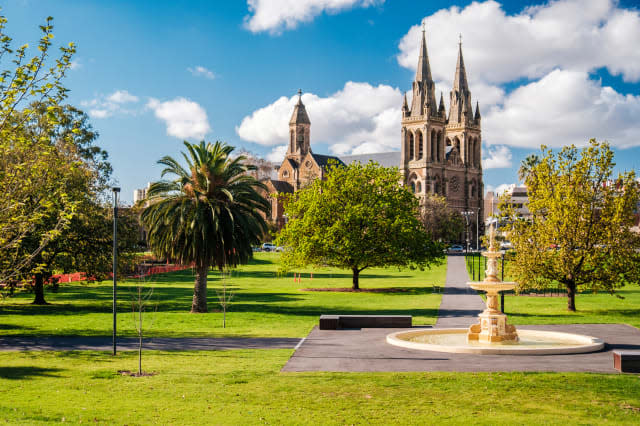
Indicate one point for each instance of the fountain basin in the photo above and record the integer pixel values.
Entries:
(531, 342)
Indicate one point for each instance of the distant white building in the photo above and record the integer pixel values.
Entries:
(518, 198)
(140, 194)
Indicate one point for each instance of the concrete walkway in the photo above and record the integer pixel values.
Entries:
(460, 303)
(61, 343)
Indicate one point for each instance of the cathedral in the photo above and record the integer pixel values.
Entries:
(440, 153)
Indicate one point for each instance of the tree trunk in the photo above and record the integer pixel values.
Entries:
(356, 276)
(199, 304)
(38, 289)
(571, 296)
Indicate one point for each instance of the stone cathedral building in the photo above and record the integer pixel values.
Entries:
(440, 152)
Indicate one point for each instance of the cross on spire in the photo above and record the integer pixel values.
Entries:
(460, 39)
(299, 93)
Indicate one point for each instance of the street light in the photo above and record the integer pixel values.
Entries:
(467, 214)
(115, 190)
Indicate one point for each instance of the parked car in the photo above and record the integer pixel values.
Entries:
(271, 247)
(457, 248)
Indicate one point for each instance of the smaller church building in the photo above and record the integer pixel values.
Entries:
(300, 165)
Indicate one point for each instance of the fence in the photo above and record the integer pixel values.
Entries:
(144, 271)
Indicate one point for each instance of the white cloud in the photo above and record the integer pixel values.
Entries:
(106, 106)
(275, 16)
(564, 107)
(75, 64)
(277, 154)
(184, 118)
(122, 97)
(359, 118)
(500, 189)
(499, 157)
(200, 71)
(579, 35)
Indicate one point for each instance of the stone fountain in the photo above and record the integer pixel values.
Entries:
(493, 325)
(492, 334)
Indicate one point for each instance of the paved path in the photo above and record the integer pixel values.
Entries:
(367, 350)
(460, 303)
(61, 343)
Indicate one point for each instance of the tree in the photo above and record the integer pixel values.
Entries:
(527, 165)
(359, 217)
(440, 222)
(579, 233)
(32, 203)
(210, 214)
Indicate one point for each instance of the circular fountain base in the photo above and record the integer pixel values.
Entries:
(531, 342)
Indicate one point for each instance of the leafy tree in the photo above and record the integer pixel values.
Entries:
(440, 222)
(210, 214)
(359, 217)
(579, 233)
(527, 165)
(33, 205)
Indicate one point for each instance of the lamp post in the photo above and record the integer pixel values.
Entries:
(115, 190)
(477, 229)
(467, 214)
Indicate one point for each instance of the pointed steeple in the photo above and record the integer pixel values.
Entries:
(405, 106)
(477, 116)
(460, 79)
(441, 108)
(424, 99)
(423, 71)
(299, 115)
(461, 110)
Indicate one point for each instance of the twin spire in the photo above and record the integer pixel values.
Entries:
(424, 101)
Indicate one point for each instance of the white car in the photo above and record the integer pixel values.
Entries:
(271, 247)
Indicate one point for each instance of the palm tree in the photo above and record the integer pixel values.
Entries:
(209, 215)
(527, 165)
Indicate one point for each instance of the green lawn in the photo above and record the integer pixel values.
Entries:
(264, 303)
(591, 308)
(246, 387)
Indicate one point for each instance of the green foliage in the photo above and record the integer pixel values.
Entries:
(580, 230)
(359, 217)
(440, 222)
(210, 214)
(35, 174)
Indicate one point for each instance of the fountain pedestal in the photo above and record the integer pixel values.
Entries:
(493, 327)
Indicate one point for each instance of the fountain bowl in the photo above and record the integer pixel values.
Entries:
(531, 342)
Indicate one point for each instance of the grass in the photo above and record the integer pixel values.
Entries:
(246, 387)
(264, 304)
(622, 307)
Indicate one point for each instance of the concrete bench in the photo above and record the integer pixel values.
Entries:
(626, 361)
(338, 322)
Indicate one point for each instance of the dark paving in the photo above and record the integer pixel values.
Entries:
(367, 350)
(55, 343)
(460, 303)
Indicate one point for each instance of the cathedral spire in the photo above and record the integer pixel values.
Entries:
(460, 79)
(461, 110)
(423, 71)
(477, 116)
(299, 115)
(441, 108)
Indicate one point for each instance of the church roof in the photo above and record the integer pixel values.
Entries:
(299, 115)
(323, 160)
(282, 186)
(385, 159)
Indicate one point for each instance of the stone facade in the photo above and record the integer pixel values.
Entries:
(440, 153)
(300, 165)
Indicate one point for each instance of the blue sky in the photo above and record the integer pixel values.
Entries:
(152, 73)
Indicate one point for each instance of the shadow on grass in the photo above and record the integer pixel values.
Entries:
(21, 373)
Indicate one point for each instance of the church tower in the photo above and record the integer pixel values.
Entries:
(440, 152)
(422, 129)
(299, 132)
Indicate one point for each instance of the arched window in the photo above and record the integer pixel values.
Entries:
(418, 187)
(434, 145)
(420, 144)
(440, 148)
(413, 187)
(411, 147)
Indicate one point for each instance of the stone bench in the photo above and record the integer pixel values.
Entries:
(626, 361)
(338, 322)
